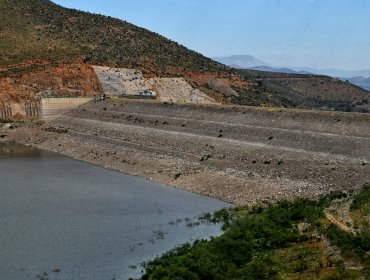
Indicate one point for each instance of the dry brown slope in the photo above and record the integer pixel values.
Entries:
(312, 91)
(49, 80)
(41, 30)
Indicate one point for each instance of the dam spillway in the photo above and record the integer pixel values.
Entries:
(55, 107)
(46, 109)
(5, 110)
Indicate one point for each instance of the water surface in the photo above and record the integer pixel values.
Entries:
(64, 219)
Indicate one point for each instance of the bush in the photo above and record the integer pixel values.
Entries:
(352, 246)
(361, 199)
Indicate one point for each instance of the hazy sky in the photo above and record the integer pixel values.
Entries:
(312, 33)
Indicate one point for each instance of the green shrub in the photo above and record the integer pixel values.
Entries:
(362, 198)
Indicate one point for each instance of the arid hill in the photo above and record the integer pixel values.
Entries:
(41, 30)
(311, 91)
(47, 48)
(39, 36)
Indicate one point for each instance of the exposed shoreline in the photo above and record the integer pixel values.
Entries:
(240, 155)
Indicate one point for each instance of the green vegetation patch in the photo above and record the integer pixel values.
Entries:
(244, 251)
(360, 211)
(352, 246)
(362, 199)
(355, 246)
(289, 240)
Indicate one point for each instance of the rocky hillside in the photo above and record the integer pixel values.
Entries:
(17, 85)
(38, 36)
(47, 48)
(310, 91)
(41, 30)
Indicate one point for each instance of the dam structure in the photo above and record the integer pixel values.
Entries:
(46, 109)
(5, 110)
(54, 107)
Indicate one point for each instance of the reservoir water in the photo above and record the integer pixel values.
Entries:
(65, 219)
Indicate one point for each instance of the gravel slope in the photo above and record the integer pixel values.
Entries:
(238, 154)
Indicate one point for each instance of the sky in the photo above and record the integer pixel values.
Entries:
(293, 33)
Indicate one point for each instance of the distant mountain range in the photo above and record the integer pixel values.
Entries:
(279, 70)
(336, 73)
(359, 81)
(240, 61)
(357, 77)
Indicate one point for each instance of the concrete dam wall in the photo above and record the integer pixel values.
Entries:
(43, 109)
(31, 109)
(5, 111)
(55, 107)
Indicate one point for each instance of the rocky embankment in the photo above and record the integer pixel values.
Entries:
(118, 81)
(48, 80)
(238, 154)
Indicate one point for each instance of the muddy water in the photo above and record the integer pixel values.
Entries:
(64, 219)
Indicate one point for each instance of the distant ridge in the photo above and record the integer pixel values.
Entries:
(357, 77)
(240, 61)
(359, 81)
(335, 72)
(253, 63)
(278, 70)
(309, 90)
(250, 62)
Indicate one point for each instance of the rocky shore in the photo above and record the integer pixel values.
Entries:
(237, 154)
